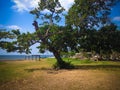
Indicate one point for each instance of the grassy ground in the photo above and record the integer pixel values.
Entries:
(39, 75)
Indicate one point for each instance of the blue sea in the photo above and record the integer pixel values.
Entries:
(21, 57)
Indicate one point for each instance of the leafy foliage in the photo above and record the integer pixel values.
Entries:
(19, 42)
(89, 13)
(103, 42)
(84, 17)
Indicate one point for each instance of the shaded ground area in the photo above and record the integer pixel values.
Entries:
(31, 75)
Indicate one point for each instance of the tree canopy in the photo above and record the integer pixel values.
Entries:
(89, 13)
(103, 42)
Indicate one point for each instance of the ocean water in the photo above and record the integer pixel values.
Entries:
(21, 57)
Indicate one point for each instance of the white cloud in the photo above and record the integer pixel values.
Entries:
(9, 27)
(27, 5)
(116, 18)
(67, 4)
(34, 3)
(13, 27)
(19, 6)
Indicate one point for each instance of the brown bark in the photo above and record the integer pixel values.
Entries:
(58, 57)
(51, 48)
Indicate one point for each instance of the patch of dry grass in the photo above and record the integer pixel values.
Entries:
(38, 75)
(66, 80)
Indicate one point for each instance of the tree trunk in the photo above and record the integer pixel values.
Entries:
(60, 63)
(58, 57)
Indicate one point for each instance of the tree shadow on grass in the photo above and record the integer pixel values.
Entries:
(37, 69)
(91, 67)
(49, 70)
(80, 67)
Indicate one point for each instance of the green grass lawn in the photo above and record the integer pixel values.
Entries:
(17, 70)
(89, 64)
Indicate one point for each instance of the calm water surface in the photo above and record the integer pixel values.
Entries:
(19, 57)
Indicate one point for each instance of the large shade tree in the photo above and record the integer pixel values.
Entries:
(85, 16)
(48, 33)
(103, 42)
(108, 42)
(52, 36)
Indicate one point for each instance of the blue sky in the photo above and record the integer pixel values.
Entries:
(15, 15)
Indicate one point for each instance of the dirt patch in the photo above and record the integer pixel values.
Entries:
(66, 80)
